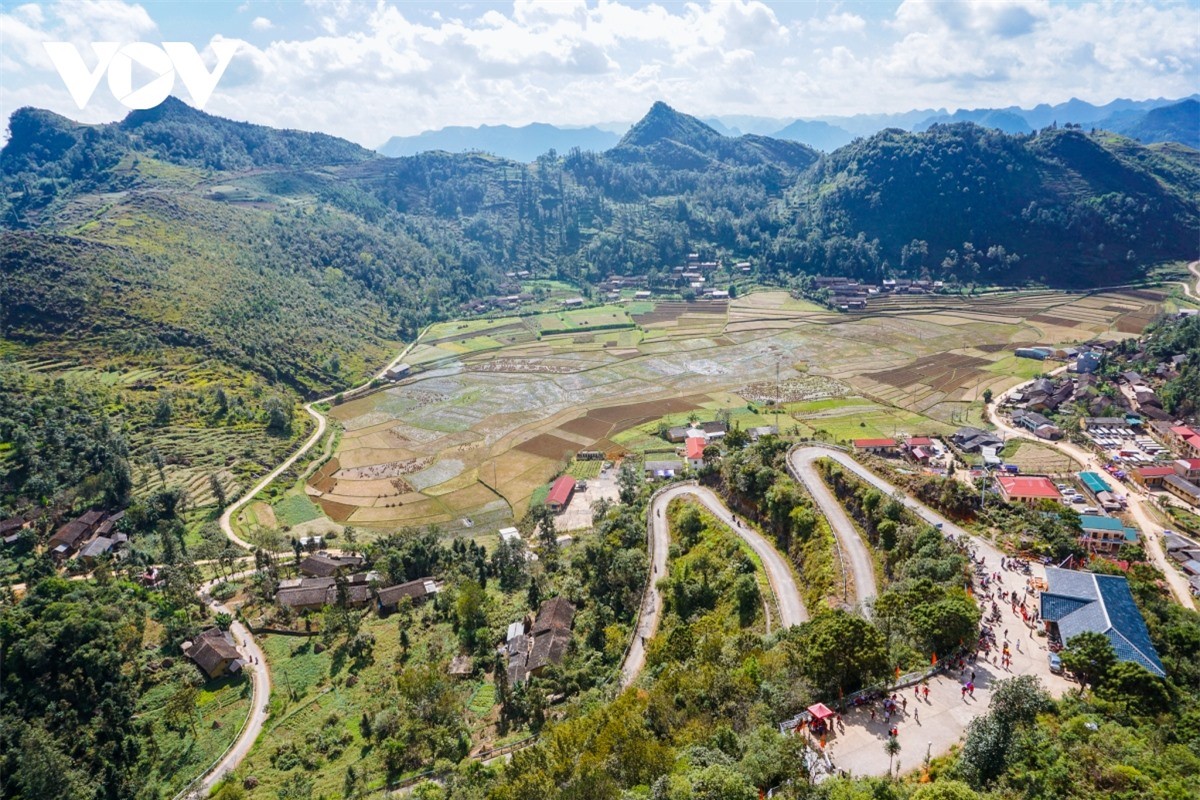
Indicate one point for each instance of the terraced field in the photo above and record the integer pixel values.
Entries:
(498, 407)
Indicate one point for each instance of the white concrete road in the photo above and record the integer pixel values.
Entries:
(937, 724)
(779, 573)
(854, 549)
(1151, 531)
(256, 665)
(261, 677)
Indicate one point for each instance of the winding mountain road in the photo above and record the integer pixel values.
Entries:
(854, 549)
(779, 573)
(257, 663)
(261, 677)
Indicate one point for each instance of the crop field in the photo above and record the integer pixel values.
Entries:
(1037, 459)
(495, 410)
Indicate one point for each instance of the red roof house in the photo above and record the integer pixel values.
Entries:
(560, 493)
(1193, 443)
(1152, 477)
(1027, 488)
(875, 445)
(919, 441)
(695, 451)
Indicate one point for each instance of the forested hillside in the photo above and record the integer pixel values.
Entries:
(303, 258)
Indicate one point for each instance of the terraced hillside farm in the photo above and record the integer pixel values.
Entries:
(496, 408)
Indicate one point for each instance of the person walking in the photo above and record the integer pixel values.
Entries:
(904, 703)
(926, 694)
(917, 715)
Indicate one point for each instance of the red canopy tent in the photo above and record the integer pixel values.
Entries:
(820, 711)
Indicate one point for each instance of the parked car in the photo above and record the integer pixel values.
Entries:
(1056, 665)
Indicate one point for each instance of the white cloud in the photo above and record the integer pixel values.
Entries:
(371, 70)
(261, 24)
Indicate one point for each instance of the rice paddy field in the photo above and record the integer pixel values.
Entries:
(497, 407)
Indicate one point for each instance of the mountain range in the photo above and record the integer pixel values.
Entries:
(1129, 117)
(302, 257)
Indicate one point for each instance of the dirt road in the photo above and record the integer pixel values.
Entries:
(854, 549)
(1151, 531)
(779, 573)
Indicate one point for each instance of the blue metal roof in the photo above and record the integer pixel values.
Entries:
(1095, 522)
(1084, 601)
(1094, 482)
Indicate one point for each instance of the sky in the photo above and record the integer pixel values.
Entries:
(370, 70)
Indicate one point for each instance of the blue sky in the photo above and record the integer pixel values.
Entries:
(370, 70)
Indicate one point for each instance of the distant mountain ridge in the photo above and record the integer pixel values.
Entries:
(824, 133)
(524, 143)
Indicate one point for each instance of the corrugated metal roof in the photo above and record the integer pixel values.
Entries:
(1094, 482)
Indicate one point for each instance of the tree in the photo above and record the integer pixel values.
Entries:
(629, 480)
(945, 790)
(279, 416)
(218, 490)
(749, 598)
(1018, 701)
(469, 612)
(1130, 683)
(839, 651)
(688, 526)
(987, 397)
(180, 709)
(892, 748)
(1090, 657)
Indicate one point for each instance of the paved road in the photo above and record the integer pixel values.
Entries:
(936, 725)
(1151, 531)
(779, 573)
(261, 682)
(854, 549)
(261, 676)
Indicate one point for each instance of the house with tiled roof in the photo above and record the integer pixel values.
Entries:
(881, 446)
(1026, 489)
(322, 565)
(1078, 602)
(214, 653)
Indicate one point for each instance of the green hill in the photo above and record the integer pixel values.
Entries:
(1075, 210)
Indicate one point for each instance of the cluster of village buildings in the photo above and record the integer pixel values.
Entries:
(847, 294)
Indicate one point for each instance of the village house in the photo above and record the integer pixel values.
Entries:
(323, 565)
(662, 470)
(694, 451)
(1026, 489)
(971, 440)
(551, 634)
(214, 653)
(530, 648)
(307, 594)
(1041, 426)
(11, 528)
(560, 493)
(1105, 534)
(876, 446)
(417, 590)
(1151, 477)
(1185, 490)
(1188, 469)
(68, 538)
